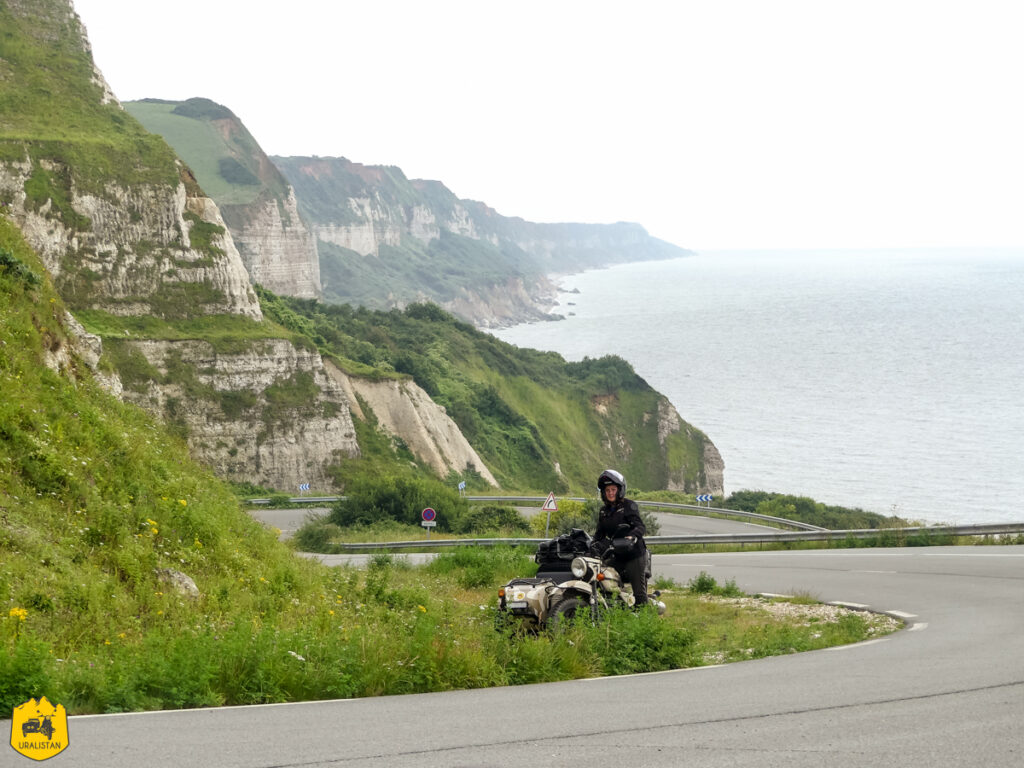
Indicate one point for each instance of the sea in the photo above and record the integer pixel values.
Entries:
(889, 380)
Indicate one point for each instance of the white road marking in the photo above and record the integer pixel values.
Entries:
(844, 604)
(856, 645)
(648, 674)
(901, 614)
(918, 626)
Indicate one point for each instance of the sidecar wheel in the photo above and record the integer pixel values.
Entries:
(565, 612)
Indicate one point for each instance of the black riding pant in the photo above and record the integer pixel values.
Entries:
(633, 571)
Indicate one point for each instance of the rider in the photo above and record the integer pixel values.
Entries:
(616, 511)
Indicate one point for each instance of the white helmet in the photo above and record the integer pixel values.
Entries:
(611, 477)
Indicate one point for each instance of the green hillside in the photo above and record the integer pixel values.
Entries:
(96, 500)
(51, 109)
(227, 161)
(524, 411)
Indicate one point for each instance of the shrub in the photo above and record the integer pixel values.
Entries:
(371, 498)
(491, 519)
(12, 265)
(702, 584)
(316, 536)
(570, 514)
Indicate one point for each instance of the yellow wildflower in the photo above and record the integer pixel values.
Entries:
(420, 607)
(183, 502)
(18, 613)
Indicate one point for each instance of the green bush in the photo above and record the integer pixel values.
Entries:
(316, 536)
(490, 519)
(702, 584)
(570, 514)
(12, 265)
(371, 498)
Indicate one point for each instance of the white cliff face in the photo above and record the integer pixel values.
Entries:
(497, 306)
(278, 251)
(403, 409)
(137, 252)
(423, 224)
(374, 225)
(461, 223)
(271, 415)
(364, 239)
(711, 473)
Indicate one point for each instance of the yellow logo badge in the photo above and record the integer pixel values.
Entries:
(39, 729)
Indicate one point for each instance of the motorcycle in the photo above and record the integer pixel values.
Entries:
(573, 574)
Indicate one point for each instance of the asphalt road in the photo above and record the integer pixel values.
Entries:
(288, 521)
(947, 691)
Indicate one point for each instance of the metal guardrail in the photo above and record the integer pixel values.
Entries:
(988, 529)
(299, 500)
(734, 513)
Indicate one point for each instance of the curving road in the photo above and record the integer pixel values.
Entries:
(948, 691)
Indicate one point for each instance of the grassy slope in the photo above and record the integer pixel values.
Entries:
(52, 110)
(94, 497)
(216, 146)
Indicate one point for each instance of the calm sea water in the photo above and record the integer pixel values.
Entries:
(887, 380)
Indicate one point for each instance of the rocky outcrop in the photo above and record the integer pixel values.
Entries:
(141, 250)
(404, 410)
(257, 203)
(270, 415)
(710, 475)
(277, 249)
(516, 301)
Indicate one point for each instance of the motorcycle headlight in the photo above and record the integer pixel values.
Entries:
(579, 568)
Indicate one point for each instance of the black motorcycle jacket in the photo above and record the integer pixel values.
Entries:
(622, 511)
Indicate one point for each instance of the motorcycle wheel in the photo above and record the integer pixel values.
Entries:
(564, 612)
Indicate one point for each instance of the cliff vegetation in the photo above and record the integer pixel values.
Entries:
(538, 422)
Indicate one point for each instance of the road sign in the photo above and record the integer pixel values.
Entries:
(550, 505)
(705, 497)
(304, 487)
(462, 485)
(429, 514)
(428, 523)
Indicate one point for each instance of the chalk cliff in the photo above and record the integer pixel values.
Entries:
(372, 223)
(257, 203)
(126, 232)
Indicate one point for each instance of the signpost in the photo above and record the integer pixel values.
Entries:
(705, 497)
(550, 505)
(428, 520)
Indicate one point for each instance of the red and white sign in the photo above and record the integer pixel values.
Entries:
(550, 505)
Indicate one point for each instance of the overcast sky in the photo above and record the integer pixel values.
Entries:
(715, 124)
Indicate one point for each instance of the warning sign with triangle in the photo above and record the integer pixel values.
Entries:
(550, 505)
